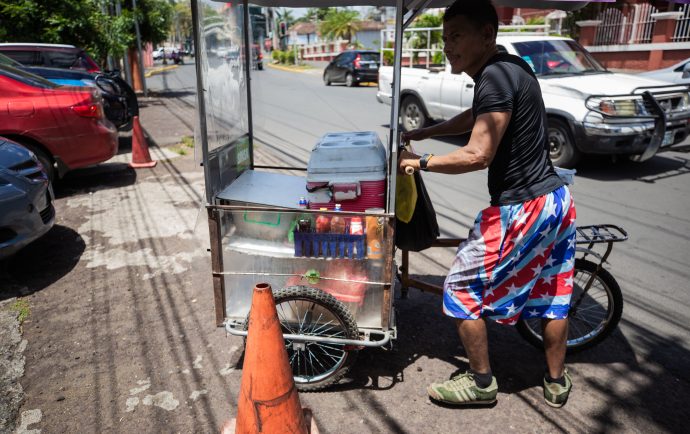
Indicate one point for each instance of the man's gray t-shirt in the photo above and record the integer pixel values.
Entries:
(521, 169)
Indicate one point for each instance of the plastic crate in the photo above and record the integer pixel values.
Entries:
(324, 245)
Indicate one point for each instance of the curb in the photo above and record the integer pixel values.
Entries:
(159, 70)
(287, 68)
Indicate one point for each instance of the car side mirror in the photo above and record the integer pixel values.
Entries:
(686, 70)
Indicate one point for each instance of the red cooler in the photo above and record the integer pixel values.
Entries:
(349, 169)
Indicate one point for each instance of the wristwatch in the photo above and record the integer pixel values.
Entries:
(424, 161)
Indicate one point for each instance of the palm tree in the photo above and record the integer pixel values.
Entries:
(340, 24)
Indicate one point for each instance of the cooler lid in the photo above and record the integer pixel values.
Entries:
(348, 152)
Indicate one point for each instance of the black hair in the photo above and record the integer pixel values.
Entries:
(479, 12)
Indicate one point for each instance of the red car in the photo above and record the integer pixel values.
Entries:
(64, 126)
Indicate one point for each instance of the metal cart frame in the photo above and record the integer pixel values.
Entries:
(229, 157)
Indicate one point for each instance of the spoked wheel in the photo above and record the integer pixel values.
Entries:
(303, 310)
(593, 315)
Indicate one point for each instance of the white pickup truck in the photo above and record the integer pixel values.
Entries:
(590, 109)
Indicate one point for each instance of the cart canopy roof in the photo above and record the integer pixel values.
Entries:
(566, 5)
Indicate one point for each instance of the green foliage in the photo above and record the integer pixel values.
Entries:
(22, 309)
(388, 55)
(276, 55)
(420, 40)
(83, 23)
(340, 24)
(289, 57)
(535, 21)
(438, 58)
(315, 14)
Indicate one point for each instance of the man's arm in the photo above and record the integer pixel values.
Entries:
(487, 133)
(456, 125)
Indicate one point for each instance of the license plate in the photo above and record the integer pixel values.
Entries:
(668, 138)
(372, 66)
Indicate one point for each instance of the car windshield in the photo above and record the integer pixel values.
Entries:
(369, 57)
(25, 77)
(557, 57)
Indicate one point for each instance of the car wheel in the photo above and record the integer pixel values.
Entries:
(350, 80)
(326, 79)
(412, 114)
(562, 150)
(45, 159)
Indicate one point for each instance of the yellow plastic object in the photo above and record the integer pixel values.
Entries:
(405, 198)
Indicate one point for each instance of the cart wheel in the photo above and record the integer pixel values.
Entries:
(309, 311)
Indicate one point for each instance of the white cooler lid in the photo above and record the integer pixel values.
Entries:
(355, 155)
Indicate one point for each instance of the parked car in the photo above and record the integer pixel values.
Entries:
(353, 67)
(119, 100)
(64, 126)
(50, 56)
(171, 53)
(590, 110)
(26, 198)
(678, 73)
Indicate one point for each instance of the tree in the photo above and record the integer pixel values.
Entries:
(419, 39)
(181, 21)
(340, 24)
(84, 23)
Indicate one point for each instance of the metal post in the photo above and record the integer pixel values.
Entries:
(248, 66)
(125, 58)
(140, 59)
(395, 106)
(201, 98)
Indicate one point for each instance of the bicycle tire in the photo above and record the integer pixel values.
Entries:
(345, 356)
(530, 329)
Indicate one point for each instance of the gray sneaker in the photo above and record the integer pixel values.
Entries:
(462, 390)
(556, 395)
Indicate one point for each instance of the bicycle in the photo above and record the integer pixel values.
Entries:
(597, 301)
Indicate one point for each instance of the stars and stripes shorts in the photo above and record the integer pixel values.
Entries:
(518, 260)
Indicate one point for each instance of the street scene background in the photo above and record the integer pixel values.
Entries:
(121, 334)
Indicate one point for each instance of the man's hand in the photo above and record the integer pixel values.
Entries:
(408, 159)
(418, 134)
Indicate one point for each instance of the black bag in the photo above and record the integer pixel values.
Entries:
(422, 230)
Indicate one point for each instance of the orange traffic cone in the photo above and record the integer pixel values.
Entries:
(140, 149)
(268, 400)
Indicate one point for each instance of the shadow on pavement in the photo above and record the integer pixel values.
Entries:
(101, 177)
(41, 263)
(662, 166)
(655, 389)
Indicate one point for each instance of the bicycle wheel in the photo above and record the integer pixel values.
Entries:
(592, 317)
(304, 310)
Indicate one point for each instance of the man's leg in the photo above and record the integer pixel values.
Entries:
(557, 381)
(555, 336)
(474, 339)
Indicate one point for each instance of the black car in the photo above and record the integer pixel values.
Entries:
(353, 67)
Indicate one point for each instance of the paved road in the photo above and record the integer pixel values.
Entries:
(121, 335)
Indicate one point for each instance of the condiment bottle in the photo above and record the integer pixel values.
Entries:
(338, 223)
(323, 222)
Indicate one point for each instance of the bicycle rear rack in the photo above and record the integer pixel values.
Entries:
(596, 234)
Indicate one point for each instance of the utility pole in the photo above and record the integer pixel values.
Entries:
(139, 56)
(125, 58)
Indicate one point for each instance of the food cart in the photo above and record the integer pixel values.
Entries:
(332, 271)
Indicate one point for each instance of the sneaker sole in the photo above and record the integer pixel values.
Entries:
(554, 405)
(461, 404)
